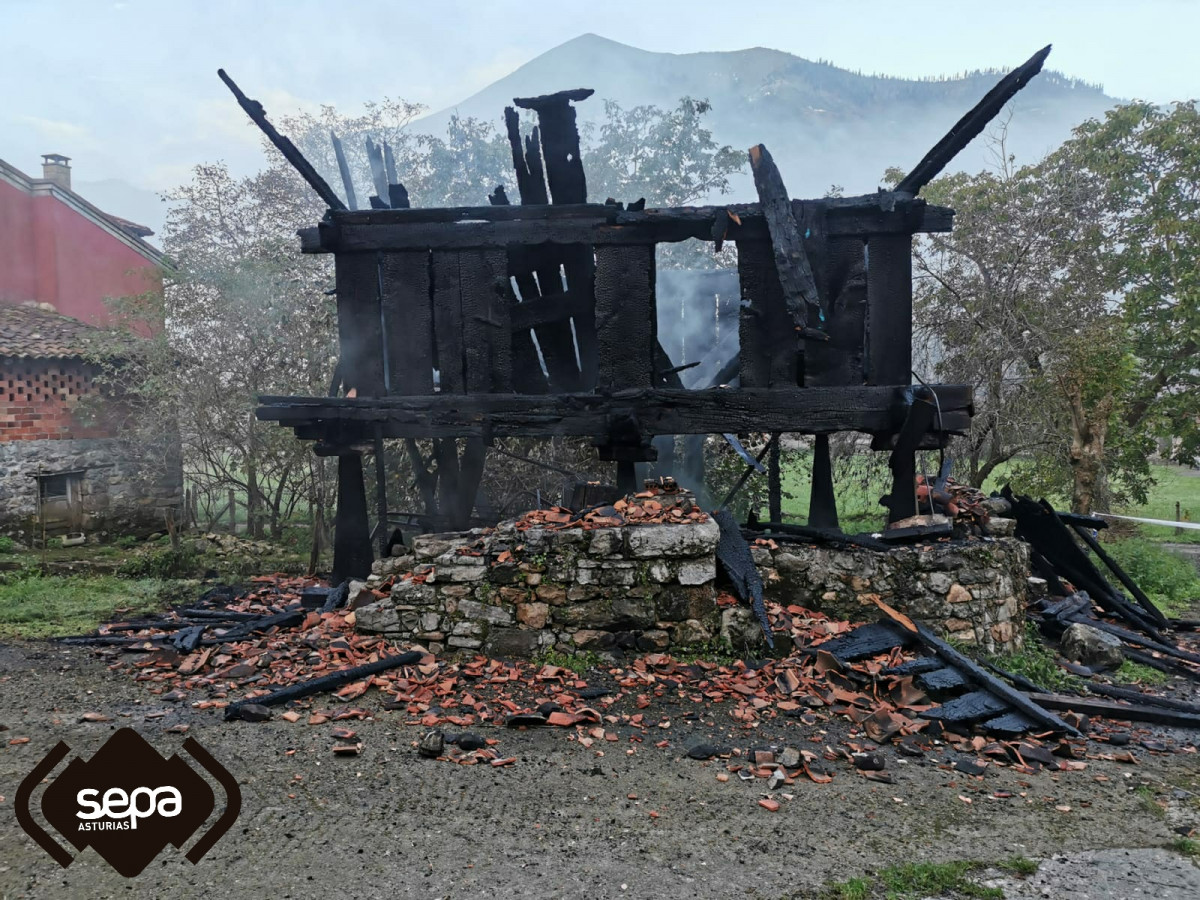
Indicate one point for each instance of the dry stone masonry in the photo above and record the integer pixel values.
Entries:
(509, 592)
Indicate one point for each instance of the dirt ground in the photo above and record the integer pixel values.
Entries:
(563, 820)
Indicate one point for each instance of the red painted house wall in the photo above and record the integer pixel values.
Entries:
(50, 252)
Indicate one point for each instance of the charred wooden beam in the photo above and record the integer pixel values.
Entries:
(344, 170)
(352, 556)
(822, 504)
(378, 172)
(1139, 712)
(1130, 585)
(791, 259)
(560, 142)
(970, 125)
(360, 336)
(503, 226)
(258, 115)
(325, 683)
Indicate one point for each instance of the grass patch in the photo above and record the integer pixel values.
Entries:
(36, 606)
(1136, 673)
(854, 889)
(1167, 578)
(1148, 801)
(1036, 662)
(916, 880)
(1187, 846)
(1019, 865)
(913, 881)
(1171, 484)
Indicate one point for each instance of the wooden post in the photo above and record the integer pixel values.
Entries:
(381, 501)
(774, 489)
(352, 556)
(822, 504)
(1178, 518)
(232, 512)
(889, 309)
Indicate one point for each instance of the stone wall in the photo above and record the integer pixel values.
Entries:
(973, 592)
(513, 593)
(653, 588)
(119, 496)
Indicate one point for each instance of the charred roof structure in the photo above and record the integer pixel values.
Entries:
(539, 319)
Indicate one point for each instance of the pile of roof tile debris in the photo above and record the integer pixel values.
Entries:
(662, 502)
(287, 647)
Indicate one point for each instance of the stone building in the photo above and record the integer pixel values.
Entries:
(63, 472)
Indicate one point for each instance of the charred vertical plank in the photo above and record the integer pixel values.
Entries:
(843, 286)
(791, 258)
(889, 309)
(344, 170)
(352, 555)
(359, 333)
(448, 322)
(822, 504)
(486, 321)
(768, 355)
(774, 487)
(626, 323)
(560, 143)
(408, 319)
(902, 503)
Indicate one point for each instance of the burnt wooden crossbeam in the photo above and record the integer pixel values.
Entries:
(794, 410)
(590, 223)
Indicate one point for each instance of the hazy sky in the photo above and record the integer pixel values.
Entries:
(129, 90)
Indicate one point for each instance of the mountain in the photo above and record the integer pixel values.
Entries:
(824, 125)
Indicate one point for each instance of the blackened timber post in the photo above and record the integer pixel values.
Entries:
(352, 556)
(774, 488)
(381, 498)
(822, 504)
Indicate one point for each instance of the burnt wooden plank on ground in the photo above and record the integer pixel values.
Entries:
(865, 641)
(1132, 712)
(968, 708)
(733, 554)
(324, 683)
(943, 679)
(1113, 566)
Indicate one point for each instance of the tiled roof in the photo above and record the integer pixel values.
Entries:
(32, 333)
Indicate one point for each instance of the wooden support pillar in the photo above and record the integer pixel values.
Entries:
(822, 505)
(381, 501)
(903, 500)
(352, 556)
(774, 488)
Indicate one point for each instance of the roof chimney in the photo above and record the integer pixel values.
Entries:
(57, 168)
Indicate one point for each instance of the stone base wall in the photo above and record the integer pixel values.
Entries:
(973, 592)
(118, 497)
(653, 588)
(514, 593)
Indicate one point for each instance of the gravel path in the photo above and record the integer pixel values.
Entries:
(564, 820)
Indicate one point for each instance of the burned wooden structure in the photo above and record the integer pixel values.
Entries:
(466, 324)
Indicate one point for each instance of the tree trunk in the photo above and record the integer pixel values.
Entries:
(1089, 430)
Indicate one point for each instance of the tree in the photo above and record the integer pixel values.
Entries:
(1017, 301)
(1146, 162)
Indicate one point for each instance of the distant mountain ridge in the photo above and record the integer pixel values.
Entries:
(824, 125)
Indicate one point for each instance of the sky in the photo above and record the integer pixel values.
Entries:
(129, 90)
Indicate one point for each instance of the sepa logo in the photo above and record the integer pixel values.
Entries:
(127, 802)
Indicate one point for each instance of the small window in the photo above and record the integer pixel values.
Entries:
(59, 487)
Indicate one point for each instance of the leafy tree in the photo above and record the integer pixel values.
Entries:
(1146, 163)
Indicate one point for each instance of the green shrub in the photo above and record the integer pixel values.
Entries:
(6, 544)
(1167, 578)
(164, 563)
